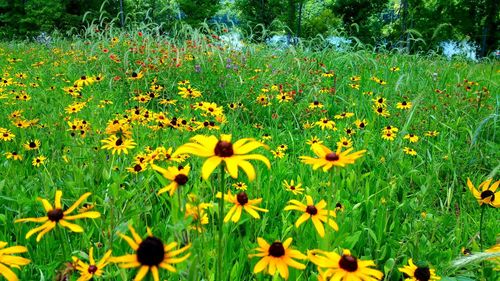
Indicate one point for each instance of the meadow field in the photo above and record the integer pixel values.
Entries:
(127, 156)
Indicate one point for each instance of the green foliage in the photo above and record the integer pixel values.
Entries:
(196, 11)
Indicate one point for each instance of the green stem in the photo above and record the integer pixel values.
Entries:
(219, 276)
(483, 207)
(61, 242)
(179, 199)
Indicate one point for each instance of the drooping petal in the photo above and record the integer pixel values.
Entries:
(261, 264)
(7, 273)
(209, 166)
(141, 273)
(73, 227)
(319, 226)
(302, 219)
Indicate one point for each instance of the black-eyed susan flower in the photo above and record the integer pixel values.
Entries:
(92, 269)
(277, 257)
(388, 135)
(495, 260)
(14, 156)
(413, 272)
(431, 134)
(344, 142)
(328, 158)
(241, 202)
(361, 124)
(344, 115)
(315, 104)
(9, 261)
(278, 154)
(198, 214)
(404, 105)
(57, 216)
(84, 81)
(39, 160)
(345, 267)
(291, 186)
(317, 213)
(177, 175)
(325, 123)
(240, 186)
(6, 135)
(32, 145)
(118, 145)
(411, 138)
(486, 193)
(380, 102)
(410, 151)
(234, 155)
(150, 255)
(314, 140)
(135, 75)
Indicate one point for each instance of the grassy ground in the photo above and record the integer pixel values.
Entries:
(395, 206)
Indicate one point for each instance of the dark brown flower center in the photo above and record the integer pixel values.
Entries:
(55, 215)
(348, 263)
(32, 144)
(422, 274)
(224, 149)
(276, 250)
(134, 74)
(242, 198)
(404, 103)
(488, 193)
(332, 156)
(92, 269)
(151, 252)
(5, 135)
(137, 168)
(83, 77)
(361, 125)
(311, 209)
(292, 187)
(119, 142)
(181, 179)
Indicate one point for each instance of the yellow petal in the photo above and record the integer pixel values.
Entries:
(7, 273)
(141, 273)
(77, 203)
(209, 166)
(57, 201)
(261, 265)
(319, 226)
(73, 227)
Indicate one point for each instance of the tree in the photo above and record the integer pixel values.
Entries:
(196, 11)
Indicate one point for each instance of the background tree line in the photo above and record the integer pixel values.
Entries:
(392, 23)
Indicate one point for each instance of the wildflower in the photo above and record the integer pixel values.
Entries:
(292, 187)
(93, 269)
(150, 254)
(411, 137)
(361, 124)
(39, 160)
(332, 266)
(6, 135)
(240, 186)
(349, 131)
(380, 102)
(431, 134)
(326, 123)
(315, 104)
(218, 150)
(410, 151)
(344, 142)
(486, 193)
(177, 175)
(418, 273)
(317, 213)
(404, 105)
(327, 158)
(496, 260)
(118, 145)
(241, 202)
(8, 261)
(32, 145)
(388, 135)
(277, 257)
(13, 155)
(394, 69)
(198, 214)
(135, 75)
(56, 215)
(84, 81)
(282, 147)
(382, 111)
(344, 115)
(188, 92)
(278, 154)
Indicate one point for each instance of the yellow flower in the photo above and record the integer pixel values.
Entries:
(317, 213)
(150, 254)
(177, 175)
(219, 150)
(93, 269)
(332, 266)
(411, 137)
(241, 202)
(486, 194)
(418, 273)
(292, 187)
(118, 145)
(56, 215)
(277, 257)
(327, 158)
(39, 160)
(410, 151)
(8, 261)
(198, 214)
